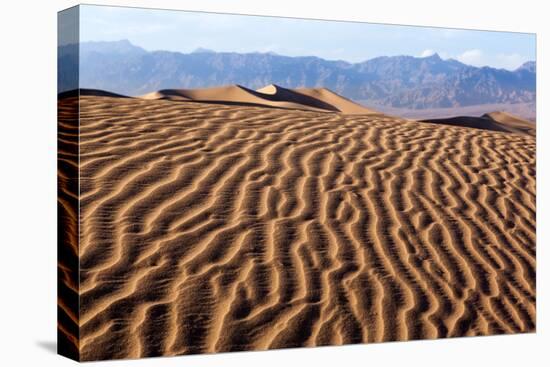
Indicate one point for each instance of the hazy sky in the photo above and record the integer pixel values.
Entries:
(186, 31)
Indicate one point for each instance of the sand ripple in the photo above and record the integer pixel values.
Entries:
(212, 228)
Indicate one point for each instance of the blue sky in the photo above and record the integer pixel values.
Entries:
(186, 31)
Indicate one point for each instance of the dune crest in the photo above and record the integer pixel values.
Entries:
(343, 104)
(494, 121)
(310, 99)
(512, 122)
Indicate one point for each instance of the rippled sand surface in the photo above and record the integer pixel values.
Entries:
(211, 228)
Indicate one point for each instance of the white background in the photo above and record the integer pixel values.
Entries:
(28, 182)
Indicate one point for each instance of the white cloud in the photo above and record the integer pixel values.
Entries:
(427, 52)
(472, 57)
(476, 57)
(510, 62)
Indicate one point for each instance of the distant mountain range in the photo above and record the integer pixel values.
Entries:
(397, 81)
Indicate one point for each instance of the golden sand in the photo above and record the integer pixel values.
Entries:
(210, 227)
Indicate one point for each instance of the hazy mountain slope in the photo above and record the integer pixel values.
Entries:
(399, 81)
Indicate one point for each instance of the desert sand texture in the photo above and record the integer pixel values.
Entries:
(228, 220)
(67, 226)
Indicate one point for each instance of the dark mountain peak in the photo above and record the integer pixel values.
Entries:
(434, 57)
(400, 60)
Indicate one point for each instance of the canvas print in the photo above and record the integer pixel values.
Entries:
(243, 183)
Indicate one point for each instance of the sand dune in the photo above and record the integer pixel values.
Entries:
(213, 227)
(320, 100)
(495, 121)
(513, 123)
(343, 104)
(525, 110)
